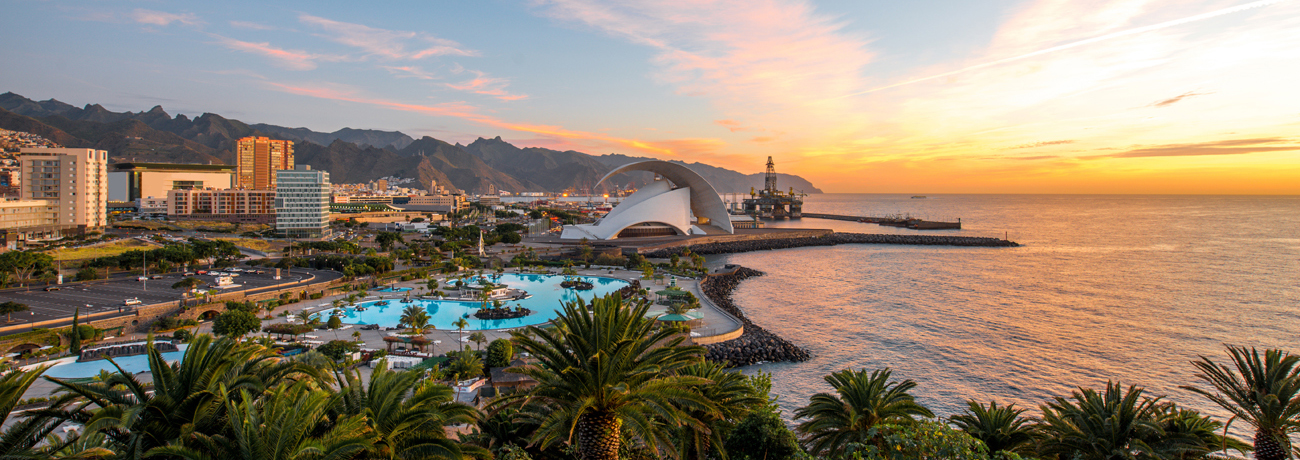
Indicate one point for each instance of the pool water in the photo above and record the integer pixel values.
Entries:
(546, 299)
(393, 289)
(131, 364)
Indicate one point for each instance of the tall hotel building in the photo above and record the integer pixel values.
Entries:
(302, 203)
(257, 159)
(75, 181)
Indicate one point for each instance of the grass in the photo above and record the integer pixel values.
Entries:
(256, 245)
(103, 250)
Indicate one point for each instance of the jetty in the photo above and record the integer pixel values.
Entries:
(905, 222)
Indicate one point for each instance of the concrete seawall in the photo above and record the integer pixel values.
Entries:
(728, 247)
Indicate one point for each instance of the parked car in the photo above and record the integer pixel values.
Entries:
(51, 288)
(140, 278)
(202, 272)
(188, 274)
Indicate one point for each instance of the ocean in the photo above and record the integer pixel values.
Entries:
(1106, 287)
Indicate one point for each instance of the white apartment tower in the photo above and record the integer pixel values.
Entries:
(302, 202)
(75, 181)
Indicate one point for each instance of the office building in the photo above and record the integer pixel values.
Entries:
(133, 181)
(28, 220)
(258, 158)
(228, 205)
(74, 180)
(302, 202)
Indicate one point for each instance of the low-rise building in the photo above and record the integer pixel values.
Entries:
(436, 203)
(151, 205)
(22, 220)
(226, 205)
(133, 181)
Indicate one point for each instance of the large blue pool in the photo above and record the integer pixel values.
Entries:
(131, 364)
(545, 301)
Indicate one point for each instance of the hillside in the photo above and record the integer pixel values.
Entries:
(350, 155)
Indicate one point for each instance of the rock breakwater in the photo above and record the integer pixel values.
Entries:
(755, 344)
(729, 247)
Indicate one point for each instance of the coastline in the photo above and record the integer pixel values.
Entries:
(755, 344)
(731, 247)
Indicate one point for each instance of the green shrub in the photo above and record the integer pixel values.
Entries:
(338, 349)
(88, 274)
(181, 335)
(499, 353)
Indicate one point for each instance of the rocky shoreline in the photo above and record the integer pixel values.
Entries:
(755, 344)
(832, 240)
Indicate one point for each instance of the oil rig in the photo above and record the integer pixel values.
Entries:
(771, 202)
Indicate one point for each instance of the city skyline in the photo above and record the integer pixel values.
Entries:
(1046, 96)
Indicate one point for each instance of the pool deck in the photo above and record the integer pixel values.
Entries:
(716, 323)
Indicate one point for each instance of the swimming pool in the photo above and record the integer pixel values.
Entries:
(393, 289)
(131, 364)
(545, 301)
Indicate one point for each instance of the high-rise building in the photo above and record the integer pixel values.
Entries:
(74, 180)
(258, 158)
(302, 202)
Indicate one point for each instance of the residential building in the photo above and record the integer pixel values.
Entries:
(132, 181)
(9, 180)
(258, 158)
(228, 205)
(28, 220)
(151, 205)
(302, 202)
(75, 180)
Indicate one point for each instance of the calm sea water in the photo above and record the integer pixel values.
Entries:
(1127, 288)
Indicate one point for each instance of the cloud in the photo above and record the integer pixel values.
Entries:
(1225, 147)
(772, 53)
(252, 25)
(289, 59)
(486, 85)
(1172, 100)
(387, 44)
(763, 139)
(159, 18)
(1042, 144)
(731, 125)
(409, 71)
(469, 113)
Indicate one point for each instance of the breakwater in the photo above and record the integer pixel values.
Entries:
(755, 344)
(729, 247)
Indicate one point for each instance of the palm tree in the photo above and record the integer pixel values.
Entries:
(864, 401)
(23, 436)
(1191, 435)
(415, 317)
(187, 398)
(734, 397)
(478, 338)
(1001, 429)
(1089, 425)
(288, 423)
(1264, 393)
(604, 372)
(460, 324)
(405, 414)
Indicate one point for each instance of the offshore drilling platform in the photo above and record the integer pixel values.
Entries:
(771, 202)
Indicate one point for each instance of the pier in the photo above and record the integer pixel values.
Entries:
(912, 223)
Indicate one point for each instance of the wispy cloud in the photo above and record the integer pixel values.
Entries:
(1175, 99)
(469, 113)
(1224, 147)
(252, 25)
(1042, 144)
(774, 53)
(286, 58)
(731, 125)
(159, 18)
(484, 84)
(387, 44)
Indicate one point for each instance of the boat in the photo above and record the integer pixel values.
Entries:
(918, 197)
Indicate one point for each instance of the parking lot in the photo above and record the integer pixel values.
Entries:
(111, 295)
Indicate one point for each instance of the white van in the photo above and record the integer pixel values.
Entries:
(133, 301)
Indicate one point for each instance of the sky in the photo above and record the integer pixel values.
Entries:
(870, 96)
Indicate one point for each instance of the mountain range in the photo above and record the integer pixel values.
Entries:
(350, 155)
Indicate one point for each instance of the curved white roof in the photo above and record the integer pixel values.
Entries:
(660, 203)
(705, 201)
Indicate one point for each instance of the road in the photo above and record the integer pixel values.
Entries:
(110, 295)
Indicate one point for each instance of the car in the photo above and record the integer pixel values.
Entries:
(51, 288)
(132, 301)
(202, 272)
(140, 278)
(188, 274)
(156, 277)
(233, 274)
